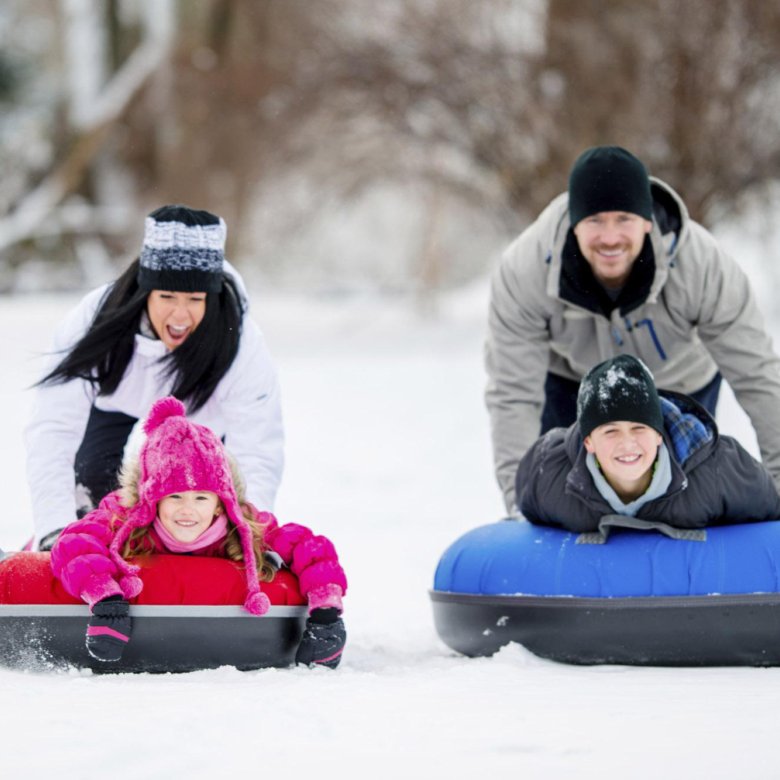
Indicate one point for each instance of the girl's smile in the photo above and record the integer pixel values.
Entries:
(188, 514)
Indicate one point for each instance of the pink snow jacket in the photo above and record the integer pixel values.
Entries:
(81, 560)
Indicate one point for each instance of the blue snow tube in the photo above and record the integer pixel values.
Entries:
(639, 598)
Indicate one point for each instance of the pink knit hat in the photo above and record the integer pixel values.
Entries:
(179, 455)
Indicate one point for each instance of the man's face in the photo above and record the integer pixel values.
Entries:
(610, 241)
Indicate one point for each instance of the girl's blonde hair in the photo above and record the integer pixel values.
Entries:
(140, 541)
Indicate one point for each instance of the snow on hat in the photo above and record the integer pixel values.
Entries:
(183, 250)
(621, 388)
(608, 178)
(179, 455)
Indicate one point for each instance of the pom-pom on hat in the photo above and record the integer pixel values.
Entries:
(179, 455)
(608, 178)
(621, 388)
(183, 250)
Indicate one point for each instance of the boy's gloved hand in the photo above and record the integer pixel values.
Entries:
(109, 629)
(323, 639)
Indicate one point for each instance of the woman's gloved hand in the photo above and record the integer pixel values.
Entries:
(48, 541)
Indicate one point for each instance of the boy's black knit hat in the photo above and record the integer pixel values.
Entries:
(183, 251)
(608, 178)
(621, 388)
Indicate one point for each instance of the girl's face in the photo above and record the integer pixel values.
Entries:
(188, 514)
(175, 315)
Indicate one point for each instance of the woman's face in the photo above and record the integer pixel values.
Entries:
(175, 315)
(186, 515)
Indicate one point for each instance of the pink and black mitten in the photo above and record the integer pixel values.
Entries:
(109, 629)
(323, 639)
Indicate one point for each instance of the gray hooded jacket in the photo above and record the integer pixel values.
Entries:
(693, 314)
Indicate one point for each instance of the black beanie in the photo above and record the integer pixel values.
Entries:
(608, 178)
(184, 251)
(621, 388)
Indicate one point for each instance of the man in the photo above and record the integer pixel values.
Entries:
(616, 265)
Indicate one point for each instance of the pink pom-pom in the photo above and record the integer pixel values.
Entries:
(161, 410)
(131, 586)
(257, 603)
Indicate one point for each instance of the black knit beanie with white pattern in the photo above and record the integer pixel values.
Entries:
(183, 250)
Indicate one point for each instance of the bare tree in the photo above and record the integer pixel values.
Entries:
(689, 86)
(160, 102)
(96, 98)
(437, 91)
(208, 150)
(480, 104)
(463, 94)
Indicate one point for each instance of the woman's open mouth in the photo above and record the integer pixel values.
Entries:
(177, 333)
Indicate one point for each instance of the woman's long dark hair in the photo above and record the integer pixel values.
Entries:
(102, 354)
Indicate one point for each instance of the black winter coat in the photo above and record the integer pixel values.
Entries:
(718, 483)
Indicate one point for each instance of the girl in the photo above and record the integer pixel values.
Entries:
(174, 323)
(180, 497)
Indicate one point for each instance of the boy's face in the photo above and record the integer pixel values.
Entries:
(625, 451)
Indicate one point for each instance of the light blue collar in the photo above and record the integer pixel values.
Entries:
(662, 478)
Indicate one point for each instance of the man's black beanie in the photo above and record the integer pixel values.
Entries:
(608, 178)
(621, 388)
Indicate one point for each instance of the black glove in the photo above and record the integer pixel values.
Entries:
(109, 629)
(323, 639)
(48, 541)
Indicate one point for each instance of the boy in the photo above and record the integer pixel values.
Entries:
(657, 459)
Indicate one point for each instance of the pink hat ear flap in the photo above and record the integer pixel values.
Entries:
(137, 517)
(256, 602)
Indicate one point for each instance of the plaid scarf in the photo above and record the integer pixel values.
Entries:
(686, 431)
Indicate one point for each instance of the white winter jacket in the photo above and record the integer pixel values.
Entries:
(698, 315)
(245, 409)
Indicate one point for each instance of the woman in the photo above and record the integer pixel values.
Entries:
(173, 324)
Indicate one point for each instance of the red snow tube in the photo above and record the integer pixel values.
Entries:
(26, 578)
(188, 617)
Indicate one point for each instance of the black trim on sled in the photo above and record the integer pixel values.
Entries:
(728, 630)
(164, 639)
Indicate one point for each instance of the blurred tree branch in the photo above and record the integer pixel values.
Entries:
(225, 103)
(89, 130)
(462, 94)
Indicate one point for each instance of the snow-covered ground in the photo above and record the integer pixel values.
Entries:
(388, 453)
